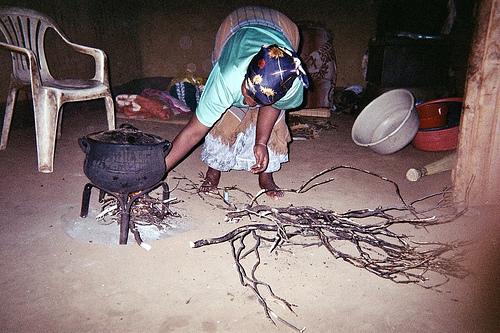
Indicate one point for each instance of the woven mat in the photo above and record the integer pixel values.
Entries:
(317, 112)
(181, 119)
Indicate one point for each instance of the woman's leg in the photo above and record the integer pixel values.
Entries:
(211, 181)
(218, 151)
(266, 182)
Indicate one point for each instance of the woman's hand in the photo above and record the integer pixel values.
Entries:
(261, 158)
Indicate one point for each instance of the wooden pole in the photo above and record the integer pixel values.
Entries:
(476, 178)
(444, 164)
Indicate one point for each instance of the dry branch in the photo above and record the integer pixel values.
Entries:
(146, 210)
(373, 246)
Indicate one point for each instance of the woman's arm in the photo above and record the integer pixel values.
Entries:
(265, 122)
(185, 141)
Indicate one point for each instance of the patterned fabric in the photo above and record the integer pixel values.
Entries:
(271, 73)
(229, 145)
(318, 54)
(186, 92)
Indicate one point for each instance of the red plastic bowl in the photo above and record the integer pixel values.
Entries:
(432, 115)
(440, 113)
(436, 139)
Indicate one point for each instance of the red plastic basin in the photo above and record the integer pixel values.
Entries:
(437, 139)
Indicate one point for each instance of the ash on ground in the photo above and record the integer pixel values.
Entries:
(154, 217)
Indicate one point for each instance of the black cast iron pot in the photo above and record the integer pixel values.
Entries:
(125, 160)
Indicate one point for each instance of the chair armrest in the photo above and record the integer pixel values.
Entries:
(100, 58)
(36, 81)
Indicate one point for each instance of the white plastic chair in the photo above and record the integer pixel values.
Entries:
(24, 31)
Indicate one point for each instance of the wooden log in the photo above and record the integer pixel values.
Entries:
(476, 178)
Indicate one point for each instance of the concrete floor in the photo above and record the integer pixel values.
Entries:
(52, 281)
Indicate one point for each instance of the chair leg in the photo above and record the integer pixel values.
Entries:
(110, 111)
(59, 122)
(46, 112)
(7, 119)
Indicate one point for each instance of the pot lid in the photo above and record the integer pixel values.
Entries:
(126, 134)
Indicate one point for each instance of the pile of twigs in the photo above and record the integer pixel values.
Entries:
(363, 238)
(147, 210)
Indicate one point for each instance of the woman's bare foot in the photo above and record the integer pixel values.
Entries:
(210, 182)
(267, 183)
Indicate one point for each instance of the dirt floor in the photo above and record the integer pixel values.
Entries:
(55, 278)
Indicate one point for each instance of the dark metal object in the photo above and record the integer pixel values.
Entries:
(125, 160)
(125, 202)
(125, 163)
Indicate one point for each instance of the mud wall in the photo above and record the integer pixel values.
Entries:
(163, 38)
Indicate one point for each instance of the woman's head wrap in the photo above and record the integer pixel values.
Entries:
(271, 73)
